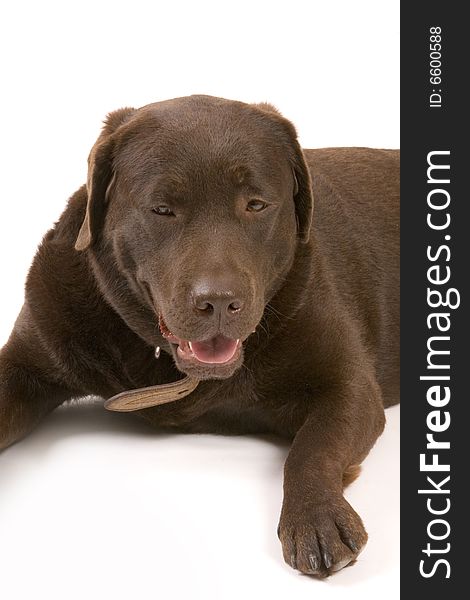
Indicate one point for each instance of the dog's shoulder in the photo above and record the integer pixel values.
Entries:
(60, 277)
(67, 227)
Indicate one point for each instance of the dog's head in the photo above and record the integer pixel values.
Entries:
(201, 202)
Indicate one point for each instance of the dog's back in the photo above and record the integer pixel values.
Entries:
(356, 221)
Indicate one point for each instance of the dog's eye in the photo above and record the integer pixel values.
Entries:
(164, 211)
(256, 205)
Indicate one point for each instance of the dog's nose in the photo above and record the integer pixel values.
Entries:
(216, 301)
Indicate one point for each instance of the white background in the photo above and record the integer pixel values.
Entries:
(97, 505)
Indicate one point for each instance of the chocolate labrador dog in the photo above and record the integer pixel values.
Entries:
(195, 234)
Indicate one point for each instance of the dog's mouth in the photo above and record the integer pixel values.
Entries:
(216, 351)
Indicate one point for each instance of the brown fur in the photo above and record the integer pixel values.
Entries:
(322, 297)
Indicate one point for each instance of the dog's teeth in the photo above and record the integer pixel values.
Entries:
(191, 347)
(157, 352)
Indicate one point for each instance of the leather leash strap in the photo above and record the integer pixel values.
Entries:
(151, 396)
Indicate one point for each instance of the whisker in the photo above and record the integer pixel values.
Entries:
(278, 312)
(271, 312)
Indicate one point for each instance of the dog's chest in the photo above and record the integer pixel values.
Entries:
(230, 407)
(237, 410)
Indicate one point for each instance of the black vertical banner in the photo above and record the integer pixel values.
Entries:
(435, 254)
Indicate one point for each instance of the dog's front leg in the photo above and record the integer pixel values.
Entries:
(319, 531)
(27, 392)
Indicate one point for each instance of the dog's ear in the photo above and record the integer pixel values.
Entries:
(302, 184)
(100, 177)
(303, 194)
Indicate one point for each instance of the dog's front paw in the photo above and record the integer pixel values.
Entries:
(319, 539)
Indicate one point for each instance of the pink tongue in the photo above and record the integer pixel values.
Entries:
(219, 349)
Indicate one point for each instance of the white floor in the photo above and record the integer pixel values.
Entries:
(96, 505)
